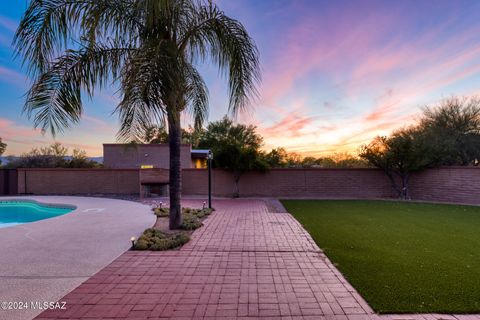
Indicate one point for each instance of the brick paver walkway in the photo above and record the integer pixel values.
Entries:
(244, 263)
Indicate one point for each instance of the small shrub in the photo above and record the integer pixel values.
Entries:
(200, 213)
(164, 211)
(161, 212)
(155, 240)
(191, 222)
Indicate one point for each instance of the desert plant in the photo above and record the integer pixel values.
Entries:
(191, 222)
(155, 240)
(161, 212)
(164, 211)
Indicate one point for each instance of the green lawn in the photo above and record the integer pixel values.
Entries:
(401, 257)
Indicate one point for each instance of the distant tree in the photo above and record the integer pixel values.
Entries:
(3, 147)
(277, 158)
(235, 147)
(325, 162)
(294, 160)
(155, 134)
(159, 134)
(309, 162)
(280, 158)
(53, 156)
(347, 160)
(455, 122)
(79, 159)
(405, 151)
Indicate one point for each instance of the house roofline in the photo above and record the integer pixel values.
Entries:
(162, 145)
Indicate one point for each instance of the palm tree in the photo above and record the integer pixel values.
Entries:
(149, 48)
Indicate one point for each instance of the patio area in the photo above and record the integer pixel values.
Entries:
(245, 262)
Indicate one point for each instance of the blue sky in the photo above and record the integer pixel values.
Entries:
(335, 73)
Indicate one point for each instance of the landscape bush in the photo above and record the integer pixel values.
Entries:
(200, 213)
(191, 222)
(155, 240)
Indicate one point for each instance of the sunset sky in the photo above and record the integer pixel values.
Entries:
(335, 73)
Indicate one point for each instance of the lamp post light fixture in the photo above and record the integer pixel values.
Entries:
(132, 239)
(209, 161)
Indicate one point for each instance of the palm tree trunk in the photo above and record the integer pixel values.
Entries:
(175, 187)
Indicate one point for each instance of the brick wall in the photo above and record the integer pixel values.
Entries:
(78, 181)
(319, 183)
(449, 184)
(131, 156)
(8, 181)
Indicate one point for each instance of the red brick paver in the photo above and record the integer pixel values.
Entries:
(244, 263)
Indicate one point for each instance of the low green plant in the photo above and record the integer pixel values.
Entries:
(155, 240)
(200, 213)
(191, 221)
(161, 212)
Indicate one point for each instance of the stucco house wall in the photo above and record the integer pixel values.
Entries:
(133, 156)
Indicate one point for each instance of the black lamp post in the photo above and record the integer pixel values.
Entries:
(209, 162)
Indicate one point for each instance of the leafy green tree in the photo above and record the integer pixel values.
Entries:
(157, 134)
(309, 162)
(456, 123)
(325, 162)
(277, 158)
(3, 147)
(405, 151)
(149, 48)
(235, 147)
(79, 159)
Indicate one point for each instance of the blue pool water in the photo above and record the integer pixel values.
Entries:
(18, 212)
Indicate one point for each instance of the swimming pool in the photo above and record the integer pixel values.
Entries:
(15, 212)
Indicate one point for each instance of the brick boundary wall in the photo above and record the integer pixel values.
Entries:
(294, 183)
(447, 184)
(77, 181)
(8, 181)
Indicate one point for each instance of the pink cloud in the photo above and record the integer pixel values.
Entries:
(10, 130)
(20, 139)
(13, 77)
(9, 24)
(290, 125)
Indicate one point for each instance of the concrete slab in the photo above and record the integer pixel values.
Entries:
(44, 260)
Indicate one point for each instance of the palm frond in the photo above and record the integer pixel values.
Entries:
(49, 27)
(151, 46)
(225, 41)
(196, 95)
(144, 90)
(54, 100)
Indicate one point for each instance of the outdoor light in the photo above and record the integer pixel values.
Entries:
(204, 203)
(132, 239)
(161, 203)
(209, 161)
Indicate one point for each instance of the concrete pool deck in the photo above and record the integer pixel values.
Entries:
(44, 260)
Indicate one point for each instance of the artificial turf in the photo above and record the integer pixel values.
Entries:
(402, 257)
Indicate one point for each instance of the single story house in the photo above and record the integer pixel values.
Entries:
(138, 156)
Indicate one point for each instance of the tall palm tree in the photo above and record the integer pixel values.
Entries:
(150, 48)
